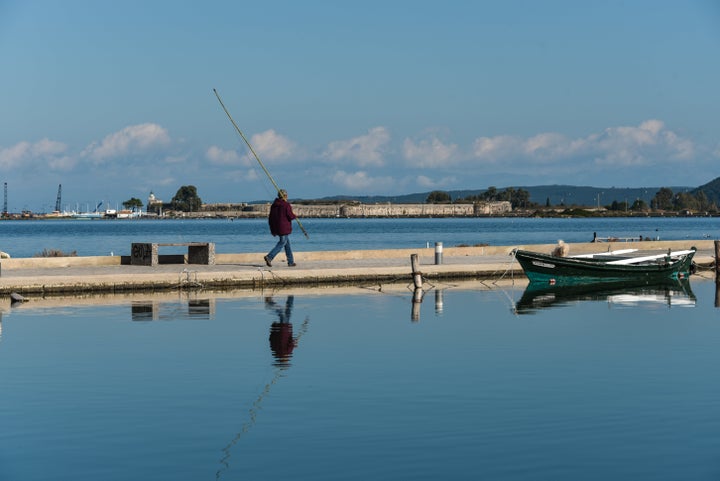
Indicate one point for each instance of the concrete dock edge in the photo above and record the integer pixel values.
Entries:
(114, 274)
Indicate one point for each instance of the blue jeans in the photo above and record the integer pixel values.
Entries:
(283, 241)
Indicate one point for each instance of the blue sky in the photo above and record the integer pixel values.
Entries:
(114, 100)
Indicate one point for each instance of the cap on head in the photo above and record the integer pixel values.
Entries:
(282, 194)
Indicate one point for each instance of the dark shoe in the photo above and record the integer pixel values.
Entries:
(291, 264)
(267, 261)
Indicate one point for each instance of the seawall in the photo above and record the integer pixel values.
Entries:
(109, 274)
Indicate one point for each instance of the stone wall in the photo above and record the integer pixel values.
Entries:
(423, 210)
(360, 210)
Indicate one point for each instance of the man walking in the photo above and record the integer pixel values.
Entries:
(280, 220)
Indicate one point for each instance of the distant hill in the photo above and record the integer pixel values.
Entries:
(556, 194)
(711, 190)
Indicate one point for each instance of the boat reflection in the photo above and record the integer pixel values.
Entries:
(666, 294)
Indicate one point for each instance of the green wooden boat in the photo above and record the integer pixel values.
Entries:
(604, 267)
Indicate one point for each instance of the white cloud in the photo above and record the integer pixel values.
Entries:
(43, 153)
(650, 142)
(132, 140)
(64, 162)
(428, 152)
(492, 149)
(364, 150)
(684, 148)
(270, 145)
(14, 156)
(218, 156)
(548, 146)
(425, 181)
(47, 147)
(361, 181)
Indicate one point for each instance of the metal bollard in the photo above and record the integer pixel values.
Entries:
(438, 253)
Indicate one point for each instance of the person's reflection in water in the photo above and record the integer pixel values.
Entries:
(282, 341)
(282, 344)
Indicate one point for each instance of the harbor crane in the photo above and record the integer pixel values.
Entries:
(58, 202)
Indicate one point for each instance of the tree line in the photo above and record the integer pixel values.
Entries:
(186, 199)
(665, 199)
(518, 198)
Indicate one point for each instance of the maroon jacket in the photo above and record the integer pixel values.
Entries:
(281, 216)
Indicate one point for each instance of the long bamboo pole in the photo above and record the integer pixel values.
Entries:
(256, 156)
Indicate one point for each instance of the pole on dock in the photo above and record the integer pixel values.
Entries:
(438, 253)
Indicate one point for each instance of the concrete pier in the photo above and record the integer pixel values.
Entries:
(114, 274)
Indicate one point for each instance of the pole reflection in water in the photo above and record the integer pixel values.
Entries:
(418, 296)
(417, 299)
(282, 344)
(439, 302)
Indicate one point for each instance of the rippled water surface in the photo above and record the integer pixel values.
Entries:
(362, 384)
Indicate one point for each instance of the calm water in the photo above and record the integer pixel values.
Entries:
(89, 238)
(341, 384)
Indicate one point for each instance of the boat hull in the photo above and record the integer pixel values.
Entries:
(550, 270)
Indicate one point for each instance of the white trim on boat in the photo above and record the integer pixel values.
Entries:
(609, 253)
(635, 260)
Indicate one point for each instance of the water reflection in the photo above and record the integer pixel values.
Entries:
(417, 299)
(670, 293)
(418, 295)
(155, 310)
(282, 344)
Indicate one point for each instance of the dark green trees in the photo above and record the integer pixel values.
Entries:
(438, 197)
(186, 199)
(133, 203)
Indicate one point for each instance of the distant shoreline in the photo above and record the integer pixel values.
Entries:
(379, 211)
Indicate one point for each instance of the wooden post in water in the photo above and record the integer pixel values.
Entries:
(417, 275)
(418, 293)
